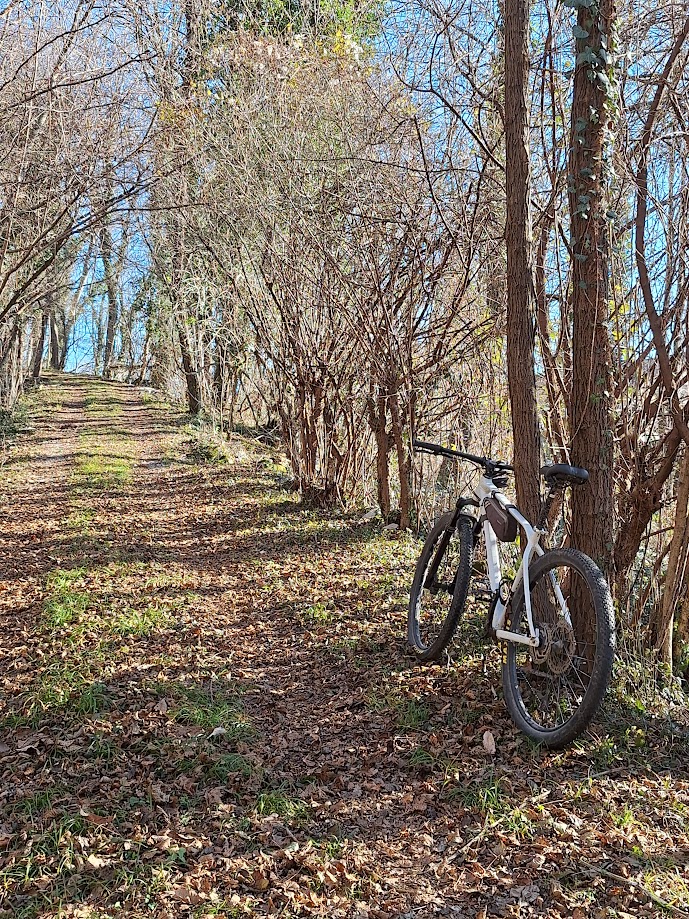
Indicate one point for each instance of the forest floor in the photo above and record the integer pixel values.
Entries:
(208, 709)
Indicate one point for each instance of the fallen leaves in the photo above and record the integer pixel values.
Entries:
(270, 749)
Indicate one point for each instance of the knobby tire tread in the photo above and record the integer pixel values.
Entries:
(464, 528)
(605, 650)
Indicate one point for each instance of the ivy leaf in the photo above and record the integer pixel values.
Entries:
(578, 32)
(604, 83)
(587, 56)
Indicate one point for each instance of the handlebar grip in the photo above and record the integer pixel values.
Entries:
(423, 445)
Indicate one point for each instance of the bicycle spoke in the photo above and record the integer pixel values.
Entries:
(553, 681)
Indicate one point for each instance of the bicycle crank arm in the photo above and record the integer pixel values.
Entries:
(517, 637)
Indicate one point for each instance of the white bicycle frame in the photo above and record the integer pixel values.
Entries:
(486, 489)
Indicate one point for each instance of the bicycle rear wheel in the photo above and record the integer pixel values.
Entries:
(554, 691)
(440, 586)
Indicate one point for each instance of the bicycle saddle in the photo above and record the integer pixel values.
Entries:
(561, 474)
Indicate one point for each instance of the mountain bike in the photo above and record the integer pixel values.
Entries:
(554, 618)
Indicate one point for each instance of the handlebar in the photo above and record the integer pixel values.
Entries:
(421, 446)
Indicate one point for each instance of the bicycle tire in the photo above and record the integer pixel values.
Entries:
(444, 545)
(584, 648)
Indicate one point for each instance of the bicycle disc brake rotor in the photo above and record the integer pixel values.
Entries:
(558, 645)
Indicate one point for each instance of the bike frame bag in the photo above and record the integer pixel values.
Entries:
(504, 525)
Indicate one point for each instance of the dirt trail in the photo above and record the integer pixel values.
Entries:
(207, 710)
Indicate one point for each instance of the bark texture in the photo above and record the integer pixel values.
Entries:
(520, 290)
(592, 447)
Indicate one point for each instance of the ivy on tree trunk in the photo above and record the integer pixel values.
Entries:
(593, 106)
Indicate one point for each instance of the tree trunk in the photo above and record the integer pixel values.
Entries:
(106, 258)
(191, 377)
(521, 375)
(674, 588)
(403, 463)
(54, 344)
(40, 348)
(592, 446)
(377, 417)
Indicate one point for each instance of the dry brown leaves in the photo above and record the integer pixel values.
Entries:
(226, 723)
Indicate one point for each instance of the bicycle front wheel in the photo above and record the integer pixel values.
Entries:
(440, 586)
(554, 691)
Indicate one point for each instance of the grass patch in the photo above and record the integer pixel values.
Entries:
(205, 446)
(231, 764)
(15, 422)
(421, 759)
(65, 604)
(486, 796)
(210, 710)
(63, 610)
(317, 614)
(37, 803)
(103, 471)
(52, 873)
(102, 749)
(98, 465)
(120, 599)
(80, 521)
(518, 822)
(670, 885)
(63, 688)
(140, 622)
(412, 715)
(98, 405)
(284, 806)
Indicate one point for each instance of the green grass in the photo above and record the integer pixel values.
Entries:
(670, 884)
(283, 805)
(102, 471)
(517, 822)
(101, 465)
(102, 749)
(231, 764)
(486, 796)
(206, 446)
(317, 613)
(140, 622)
(101, 404)
(421, 759)
(80, 521)
(381, 698)
(209, 710)
(117, 599)
(62, 688)
(15, 422)
(56, 859)
(412, 715)
(37, 803)
(64, 604)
